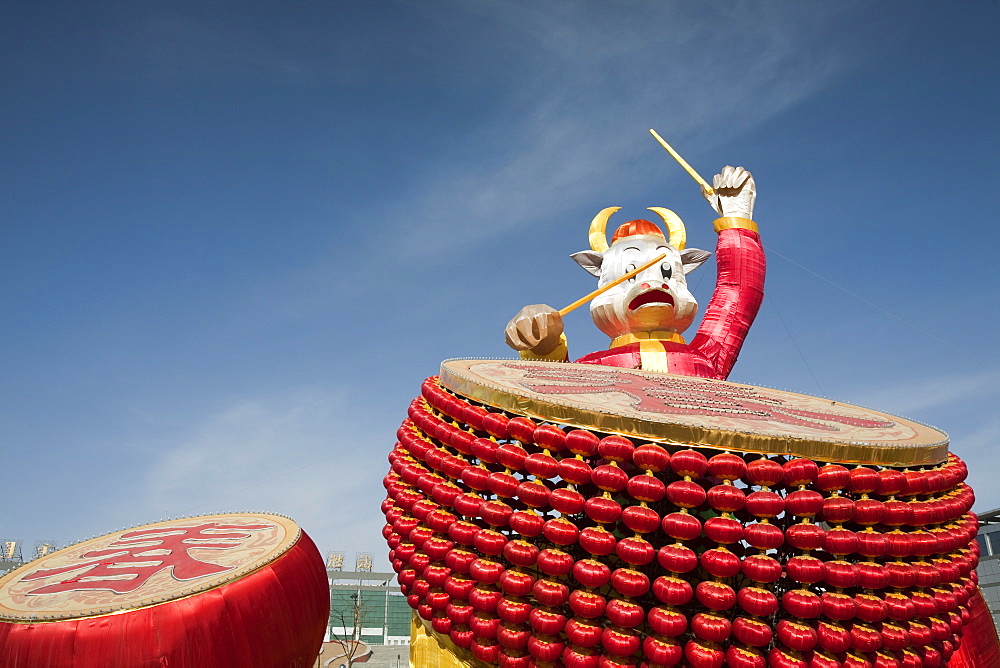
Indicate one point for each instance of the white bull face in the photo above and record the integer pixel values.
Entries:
(657, 299)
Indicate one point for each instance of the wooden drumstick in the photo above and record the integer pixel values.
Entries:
(604, 288)
(707, 189)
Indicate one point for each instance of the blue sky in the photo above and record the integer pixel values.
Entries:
(234, 237)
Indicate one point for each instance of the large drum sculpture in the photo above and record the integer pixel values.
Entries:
(247, 590)
(547, 514)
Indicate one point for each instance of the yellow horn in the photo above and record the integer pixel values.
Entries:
(675, 226)
(598, 229)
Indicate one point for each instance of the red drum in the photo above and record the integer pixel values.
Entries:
(682, 515)
(217, 590)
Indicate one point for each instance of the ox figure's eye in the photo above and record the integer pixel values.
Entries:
(629, 268)
(666, 270)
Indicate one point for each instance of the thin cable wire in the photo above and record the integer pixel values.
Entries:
(770, 300)
(870, 303)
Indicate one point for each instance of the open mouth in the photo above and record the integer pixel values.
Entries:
(651, 297)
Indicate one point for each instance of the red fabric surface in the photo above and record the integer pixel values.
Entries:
(739, 291)
(980, 646)
(274, 617)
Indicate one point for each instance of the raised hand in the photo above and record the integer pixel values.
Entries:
(735, 192)
(536, 328)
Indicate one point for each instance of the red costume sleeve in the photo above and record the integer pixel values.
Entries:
(739, 291)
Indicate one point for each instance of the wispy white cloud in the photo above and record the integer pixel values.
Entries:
(599, 79)
(925, 394)
(306, 454)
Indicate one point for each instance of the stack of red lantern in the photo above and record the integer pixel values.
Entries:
(531, 544)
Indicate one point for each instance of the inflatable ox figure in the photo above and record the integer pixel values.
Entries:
(646, 314)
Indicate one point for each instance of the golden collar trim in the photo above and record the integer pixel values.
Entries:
(636, 337)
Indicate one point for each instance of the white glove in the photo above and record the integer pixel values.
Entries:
(537, 328)
(735, 192)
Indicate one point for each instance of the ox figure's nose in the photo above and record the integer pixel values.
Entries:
(644, 286)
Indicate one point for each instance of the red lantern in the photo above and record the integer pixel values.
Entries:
(620, 642)
(837, 606)
(514, 636)
(672, 590)
(667, 621)
(527, 523)
(704, 654)
(555, 562)
(516, 583)
(832, 477)
(715, 595)
(868, 512)
(757, 601)
(635, 551)
(841, 574)
(752, 631)
(872, 575)
(796, 635)
(550, 437)
(583, 632)
(832, 637)
(799, 472)
(514, 610)
(642, 519)
(726, 498)
(662, 650)
(723, 530)
(871, 609)
(764, 472)
(603, 510)
(894, 637)
(582, 442)
(744, 657)
(484, 625)
(591, 573)
(804, 536)
(864, 638)
(560, 531)
(840, 541)
(805, 569)
(624, 613)
(597, 541)
(486, 571)
(685, 493)
(574, 471)
(763, 536)
(651, 458)
(802, 603)
(761, 568)
(533, 494)
(720, 562)
(489, 542)
(711, 626)
(681, 526)
(630, 582)
(804, 503)
(646, 488)
(548, 592)
(727, 466)
(485, 598)
(547, 621)
(520, 553)
(688, 463)
(677, 558)
(863, 480)
(616, 448)
(609, 478)
(545, 647)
